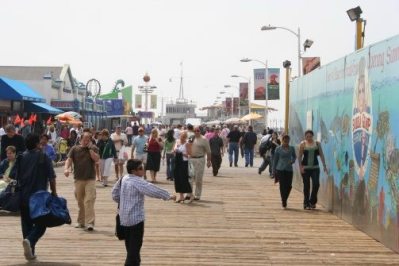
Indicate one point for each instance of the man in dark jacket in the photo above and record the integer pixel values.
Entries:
(34, 171)
(249, 140)
(11, 139)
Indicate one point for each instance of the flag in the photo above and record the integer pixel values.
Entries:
(31, 118)
(49, 120)
(17, 120)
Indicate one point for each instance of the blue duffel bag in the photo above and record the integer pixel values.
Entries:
(48, 210)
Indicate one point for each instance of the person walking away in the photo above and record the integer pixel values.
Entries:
(119, 139)
(107, 153)
(138, 151)
(199, 147)
(83, 157)
(46, 148)
(168, 151)
(129, 192)
(129, 134)
(155, 145)
(265, 151)
(181, 177)
(223, 135)
(217, 150)
(34, 171)
(309, 150)
(233, 139)
(11, 139)
(135, 129)
(249, 141)
(284, 158)
(26, 129)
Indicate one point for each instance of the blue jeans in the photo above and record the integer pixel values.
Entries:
(30, 231)
(249, 156)
(233, 148)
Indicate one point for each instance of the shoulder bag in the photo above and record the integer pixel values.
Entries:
(119, 229)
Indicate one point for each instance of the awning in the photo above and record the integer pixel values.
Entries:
(18, 91)
(34, 107)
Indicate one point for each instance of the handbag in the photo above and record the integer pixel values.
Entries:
(191, 170)
(10, 197)
(119, 229)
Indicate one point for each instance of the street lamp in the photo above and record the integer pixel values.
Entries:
(298, 35)
(287, 66)
(146, 89)
(245, 60)
(354, 15)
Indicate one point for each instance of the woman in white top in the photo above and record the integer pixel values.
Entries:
(182, 184)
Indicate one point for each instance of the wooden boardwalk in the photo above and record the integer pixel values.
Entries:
(239, 221)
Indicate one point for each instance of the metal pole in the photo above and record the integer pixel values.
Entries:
(145, 105)
(287, 99)
(359, 23)
(299, 53)
(266, 96)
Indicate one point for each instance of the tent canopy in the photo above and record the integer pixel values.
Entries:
(18, 91)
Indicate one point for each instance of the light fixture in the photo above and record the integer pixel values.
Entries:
(245, 60)
(286, 64)
(268, 28)
(227, 86)
(235, 76)
(354, 13)
(307, 44)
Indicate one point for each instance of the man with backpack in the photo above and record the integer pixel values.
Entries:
(266, 147)
(249, 141)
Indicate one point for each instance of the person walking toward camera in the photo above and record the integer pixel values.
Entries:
(309, 150)
(284, 158)
(107, 153)
(199, 146)
(249, 141)
(155, 145)
(217, 150)
(130, 192)
(83, 157)
(234, 138)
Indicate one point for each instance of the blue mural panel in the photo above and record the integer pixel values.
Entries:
(353, 104)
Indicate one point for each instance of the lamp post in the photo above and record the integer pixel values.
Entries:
(354, 15)
(307, 43)
(245, 60)
(287, 66)
(146, 89)
(249, 86)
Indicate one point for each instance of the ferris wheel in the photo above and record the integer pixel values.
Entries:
(93, 88)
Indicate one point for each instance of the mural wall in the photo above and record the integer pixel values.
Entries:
(352, 105)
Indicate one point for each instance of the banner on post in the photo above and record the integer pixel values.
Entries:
(273, 84)
(153, 104)
(243, 92)
(138, 101)
(259, 84)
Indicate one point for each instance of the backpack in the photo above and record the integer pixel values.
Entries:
(265, 146)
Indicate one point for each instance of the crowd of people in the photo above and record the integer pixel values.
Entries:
(185, 150)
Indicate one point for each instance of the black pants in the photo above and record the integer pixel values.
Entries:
(313, 174)
(267, 161)
(216, 161)
(285, 180)
(133, 243)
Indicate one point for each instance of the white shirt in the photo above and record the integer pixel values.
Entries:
(265, 138)
(176, 133)
(117, 139)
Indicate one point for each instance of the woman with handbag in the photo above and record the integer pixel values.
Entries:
(129, 192)
(107, 155)
(182, 184)
(154, 149)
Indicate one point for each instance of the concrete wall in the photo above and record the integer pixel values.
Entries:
(352, 105)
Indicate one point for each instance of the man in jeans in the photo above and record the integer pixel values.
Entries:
(84, 158)
(34, 172)
(234, 139)
(249, 140)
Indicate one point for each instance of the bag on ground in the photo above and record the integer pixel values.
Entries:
(10, 198)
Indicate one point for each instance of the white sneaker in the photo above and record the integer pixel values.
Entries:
(28, 250)
(90, 227)
(78, 225)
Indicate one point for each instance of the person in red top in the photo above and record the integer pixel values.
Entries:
(154, 148)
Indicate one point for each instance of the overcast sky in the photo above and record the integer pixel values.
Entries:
(123, 39)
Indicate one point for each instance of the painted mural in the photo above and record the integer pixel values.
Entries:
(352, 105)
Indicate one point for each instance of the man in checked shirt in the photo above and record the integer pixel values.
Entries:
(130, 195)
